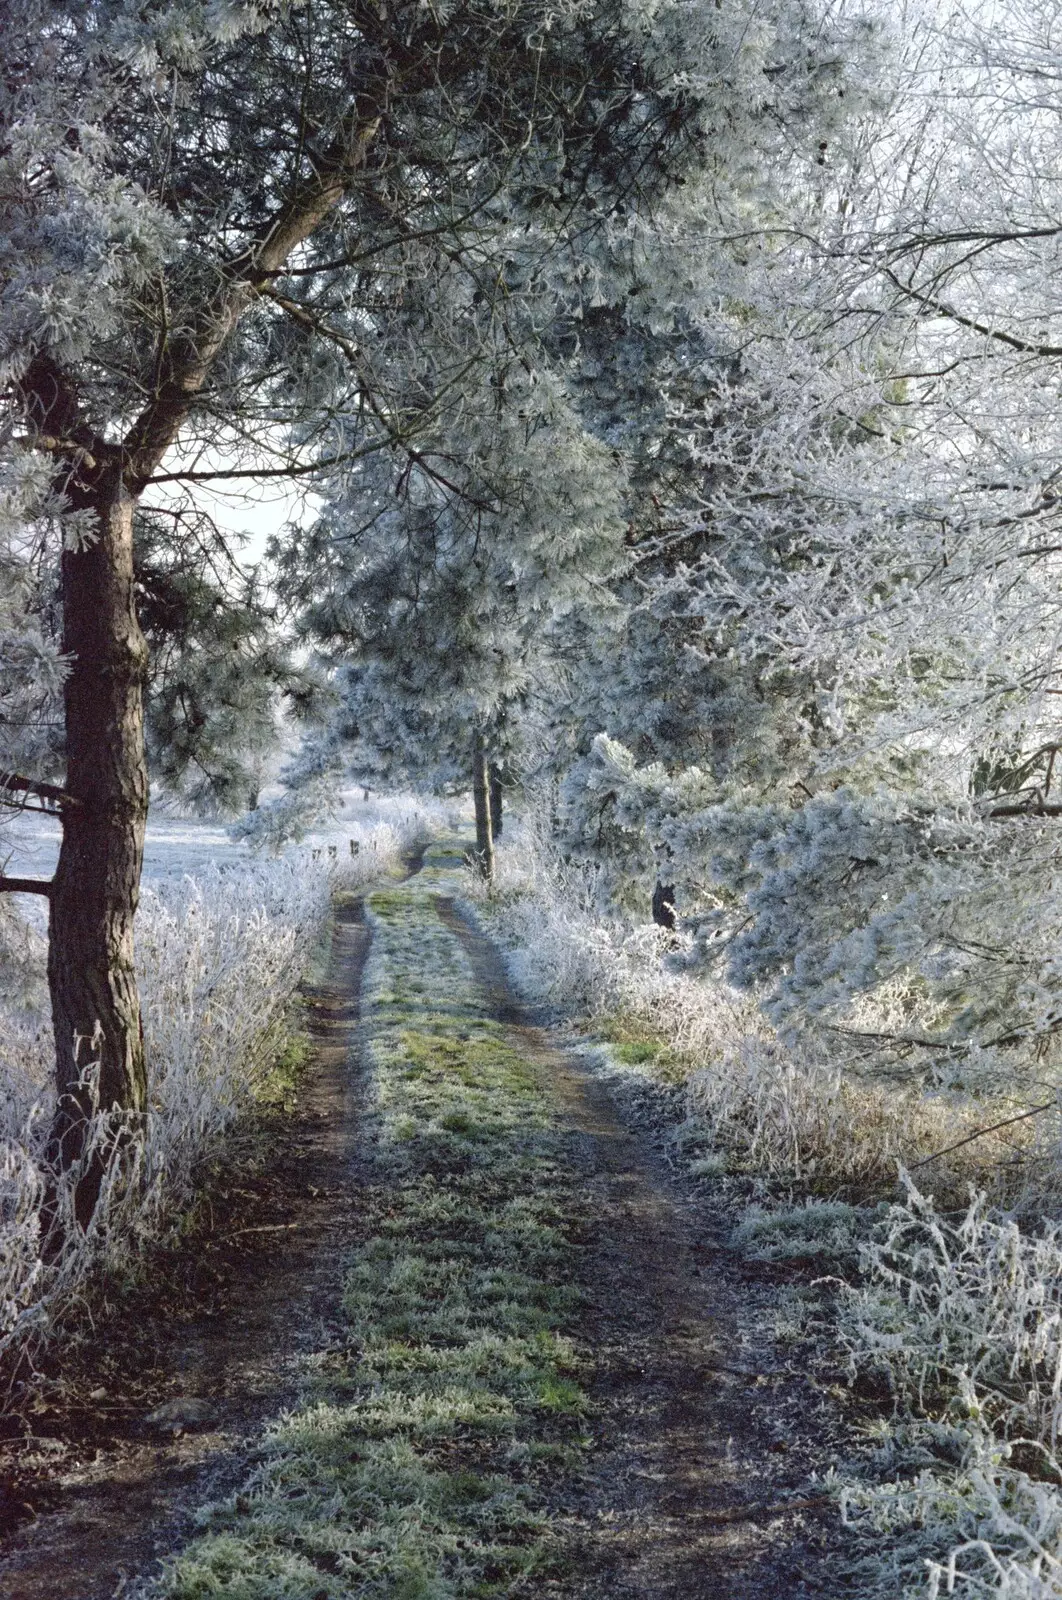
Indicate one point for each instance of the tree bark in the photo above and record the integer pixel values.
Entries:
(495, 802)
(481, 798)
(91, 974)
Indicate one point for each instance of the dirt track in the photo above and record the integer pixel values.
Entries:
(111, 1490)
(700, 1428)
(697, 1483)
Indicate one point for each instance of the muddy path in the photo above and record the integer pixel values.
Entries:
(704, 1436)
(96, 1490)
(707, 1439)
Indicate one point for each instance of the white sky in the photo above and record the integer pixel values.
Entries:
(255, 508)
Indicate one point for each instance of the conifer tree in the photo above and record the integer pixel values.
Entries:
(213, 216)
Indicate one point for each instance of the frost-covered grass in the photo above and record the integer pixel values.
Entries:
(764, 1107)
(950, 1308)
(960, 1316)
(827, 1231)
(411, 1468)
(219, 958)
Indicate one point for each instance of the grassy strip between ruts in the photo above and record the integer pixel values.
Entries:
(415, 1467)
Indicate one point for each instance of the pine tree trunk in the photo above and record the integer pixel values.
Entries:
(495, 802)
(481, 797)
(95, 1003)
(94, 894)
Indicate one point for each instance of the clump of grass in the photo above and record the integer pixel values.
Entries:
(635, 1043)
(823, 1231)
(279, 1079)
(415, 1470)
(960, 1316)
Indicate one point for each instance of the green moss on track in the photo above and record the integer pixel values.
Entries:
(416, 1468)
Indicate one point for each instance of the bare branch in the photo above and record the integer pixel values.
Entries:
(1029, 808)
(43, 791)
(944, 310)
(290, 469)
(980, 1133)
(59, 447)
(972, 236)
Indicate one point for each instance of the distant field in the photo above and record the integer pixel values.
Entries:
(176, 845)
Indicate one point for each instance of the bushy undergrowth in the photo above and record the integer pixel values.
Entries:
(773, 1107)
(411, 1469)
(219, 959)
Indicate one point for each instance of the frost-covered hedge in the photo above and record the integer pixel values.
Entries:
(781, 1107)
(905, 930)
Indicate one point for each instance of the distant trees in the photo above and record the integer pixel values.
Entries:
(436, 604)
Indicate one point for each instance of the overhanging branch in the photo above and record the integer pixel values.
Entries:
(941, 307)
(26, 886)
(397, 435)
(288, 469)
(980, 1133)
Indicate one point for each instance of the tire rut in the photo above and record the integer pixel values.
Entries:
(125, 1490)
(693, 1405)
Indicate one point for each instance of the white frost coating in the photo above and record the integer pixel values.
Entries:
(963, 1318)
(220, 956)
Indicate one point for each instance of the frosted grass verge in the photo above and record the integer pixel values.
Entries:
(219, 958)
(773, 1109)
(960, 1315)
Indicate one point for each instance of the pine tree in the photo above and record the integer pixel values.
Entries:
(213, 217)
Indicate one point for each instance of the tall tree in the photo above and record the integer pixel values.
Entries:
(211, 212)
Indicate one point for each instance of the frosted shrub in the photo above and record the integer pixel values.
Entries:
(907, 932)
(781, 1108)
(982, 1530)
(968, 1309)
(962, 1317)
(219, 959)
(790, 1114)
(569, 951)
